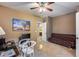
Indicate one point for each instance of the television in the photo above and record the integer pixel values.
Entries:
(21, 25)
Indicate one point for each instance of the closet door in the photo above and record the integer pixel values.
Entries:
(77, 34)
(44, 31)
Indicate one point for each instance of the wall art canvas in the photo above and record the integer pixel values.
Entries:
(22, 25)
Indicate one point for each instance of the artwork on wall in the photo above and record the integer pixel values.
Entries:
(22, 25)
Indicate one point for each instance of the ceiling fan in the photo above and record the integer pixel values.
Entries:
(43, 5)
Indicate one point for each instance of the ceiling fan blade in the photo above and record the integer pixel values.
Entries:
(49, 9)
(37, 2)
(34, 8)
(50, 3)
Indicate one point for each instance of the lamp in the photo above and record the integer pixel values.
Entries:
(2, 31)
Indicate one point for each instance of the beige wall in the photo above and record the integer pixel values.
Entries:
(64, 24)
(6, 16)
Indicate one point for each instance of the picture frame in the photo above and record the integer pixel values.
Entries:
(20, 25)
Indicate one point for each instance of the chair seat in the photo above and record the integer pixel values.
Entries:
(28, 47)
(29, 51)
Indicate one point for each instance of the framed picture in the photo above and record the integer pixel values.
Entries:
(20, 25)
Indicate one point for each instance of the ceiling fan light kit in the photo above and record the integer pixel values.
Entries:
(42, 9)
(43, 6)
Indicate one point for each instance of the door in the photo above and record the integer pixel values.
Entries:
(77, 34)
(44, 35)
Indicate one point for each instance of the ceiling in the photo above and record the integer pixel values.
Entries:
(59, 8)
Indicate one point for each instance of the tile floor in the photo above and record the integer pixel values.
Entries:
(54, 50)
